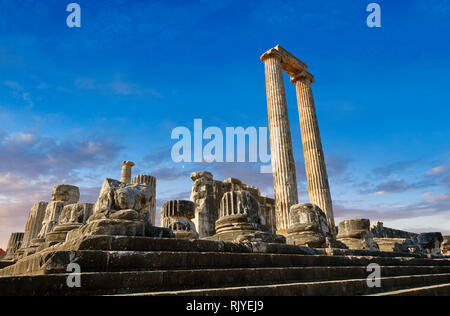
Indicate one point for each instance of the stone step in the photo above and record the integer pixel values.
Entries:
(126, 243)
(321, 288)
(113, 261)
(139, 281)
(433, 290)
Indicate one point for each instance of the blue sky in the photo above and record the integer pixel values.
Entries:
(74, 103)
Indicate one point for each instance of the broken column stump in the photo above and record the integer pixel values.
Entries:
(177, 215)
(355, 234)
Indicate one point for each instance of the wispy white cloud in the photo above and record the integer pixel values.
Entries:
(311, 13)
(117, 87)
(19, 92)
(437, 171)
(31, 164)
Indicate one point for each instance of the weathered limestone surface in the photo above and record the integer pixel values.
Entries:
(238, 211)
(207, 194)
(445, 246)
(177, 216)
(151, 182)
(267, 211)
(121, 210)
(394, 240)
(72, 217)
(68, 194)
(316, 171)
(126, 171)
(206, 211)
(401, 245)
(283, 165)
(34, 225)
(355, 234)
(116, 195)
(277, 60)
(240, 220)
(308, 226)
(14, 244)
(378, 230)
(62, 195)
(431, 242)
(52, 213)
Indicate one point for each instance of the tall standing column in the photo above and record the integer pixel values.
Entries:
(283, 165)
(126, 171)
(316, 171)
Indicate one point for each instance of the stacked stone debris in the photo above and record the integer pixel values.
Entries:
(122, 209)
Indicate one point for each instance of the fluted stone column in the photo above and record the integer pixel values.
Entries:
(283, 165)
(151, 182)
(316, 171)
(177, 215)
(206, 210)
(13, 245)
(126, 171)
(239, 214)
(34, 224)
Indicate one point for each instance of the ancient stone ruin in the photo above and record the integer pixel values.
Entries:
(308, 226)
(355, 234)
(207, 195)
(446, 245)
(150, 182)
(277, 60)
(229, 239)
(177, 216)
(14, 243)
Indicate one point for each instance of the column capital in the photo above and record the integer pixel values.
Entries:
(273, 52)
(128, 163)
(303, 76)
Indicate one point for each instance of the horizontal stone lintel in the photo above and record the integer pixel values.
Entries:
(290, 64)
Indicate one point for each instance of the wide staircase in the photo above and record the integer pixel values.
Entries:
(156, 267)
